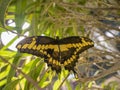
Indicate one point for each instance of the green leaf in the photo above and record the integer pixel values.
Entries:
(82, 2)
(6, 53)
(28, 66)
(4, 69)
(3, 7)
(77, 87)
(10, 43)
(4, 73)
(3, 82)
(46, 83)
(42, 82)
(56, 84)
(80, 86)
(20, 14)
(90, 84)
(11, 85)
(12, 70)
(33, 67)
(38, 70)
(68, 84)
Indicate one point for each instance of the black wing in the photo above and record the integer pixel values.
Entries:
(71, 47)
(36, 45)
(57, 53)
(42, 46)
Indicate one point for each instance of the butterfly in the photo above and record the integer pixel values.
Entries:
(57, 53)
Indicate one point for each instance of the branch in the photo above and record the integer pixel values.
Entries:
(113, 69)
(25, 75)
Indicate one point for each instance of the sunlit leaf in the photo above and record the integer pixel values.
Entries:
(6, 53)
(11, 85)
(3, 7)
(57, 84)
(43, 81)
(12, 70)
(10, 43)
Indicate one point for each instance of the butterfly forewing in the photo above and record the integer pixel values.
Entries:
(35, 45)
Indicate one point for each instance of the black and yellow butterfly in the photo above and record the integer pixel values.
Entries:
(57, 53)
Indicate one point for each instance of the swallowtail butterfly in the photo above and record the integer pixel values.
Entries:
(57, 53)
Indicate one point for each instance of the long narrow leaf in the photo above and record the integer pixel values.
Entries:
(12, 70)
(3, 7)
(11, 85)
(10, 43)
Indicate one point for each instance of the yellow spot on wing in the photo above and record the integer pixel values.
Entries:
(69, 45)
(68, 61)
(83, 40)
(75, 52)
(19, 46)
(50, 60)
(46, 47)
(34, 47)
(63, 48)
(89, 43)
(48, 55)
(55, 47)
(25, 46)
(92, 43)
(57, 63)
(74, 45)
(41, 51)
(71, 59)
(83, 44)
(54, 61)
(38, 47)
(65, 63)
(73, 56)
(45, 52)
(52, 46)
(42, 47)
(77, 44)
(80, 45)
(32, 43)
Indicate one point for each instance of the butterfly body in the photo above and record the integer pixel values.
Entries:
(57, 52)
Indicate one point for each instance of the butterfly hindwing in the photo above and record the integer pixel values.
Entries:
(57, 53)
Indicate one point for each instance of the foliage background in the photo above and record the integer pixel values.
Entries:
(97, 19)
